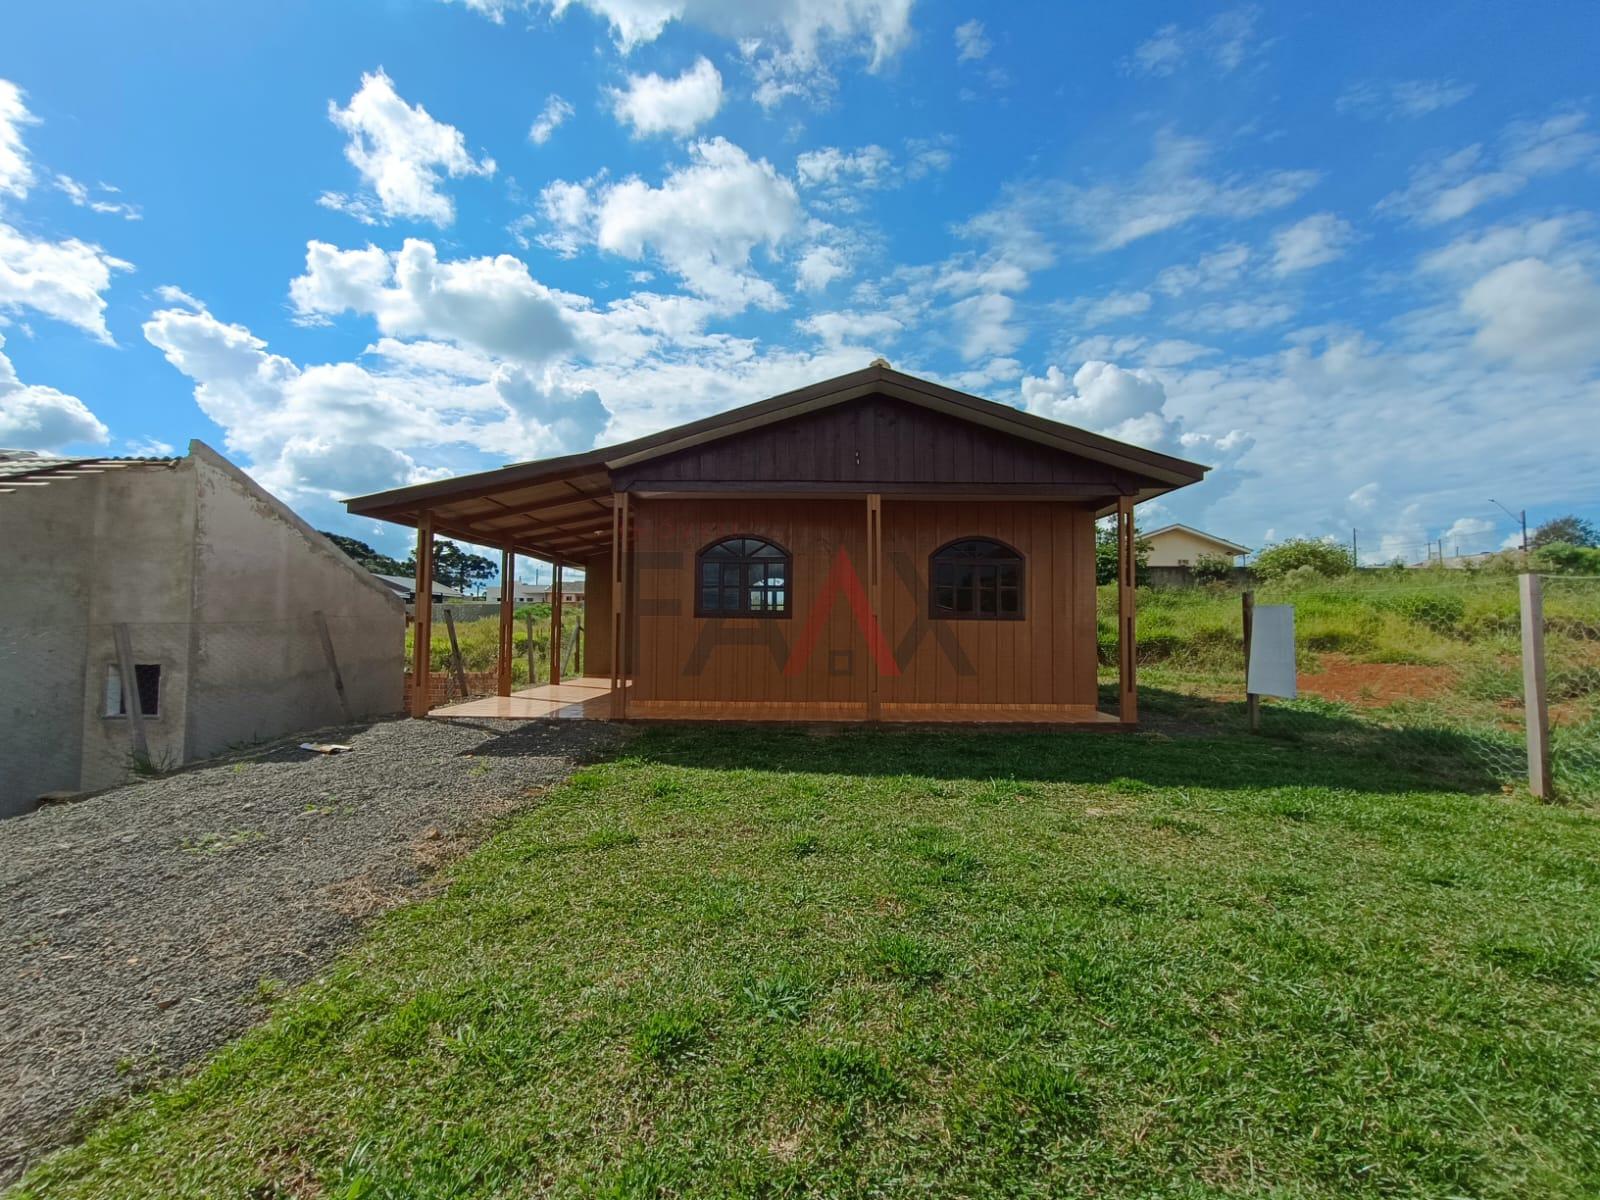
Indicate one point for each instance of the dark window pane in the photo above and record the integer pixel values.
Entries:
(744, 575)
(976, 577)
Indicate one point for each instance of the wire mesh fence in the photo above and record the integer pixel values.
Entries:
(1425, 668)
(1572, 682)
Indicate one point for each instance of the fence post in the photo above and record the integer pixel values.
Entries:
(455, 653)
(533, 662)
(1535, 715)
(1252, 702)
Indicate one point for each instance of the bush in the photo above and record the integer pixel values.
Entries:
(1212, 568)
(1327, 559)
(1563, 558)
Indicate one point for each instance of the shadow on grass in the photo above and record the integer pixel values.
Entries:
(1183, 741)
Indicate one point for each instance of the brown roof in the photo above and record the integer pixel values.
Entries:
(560, 508)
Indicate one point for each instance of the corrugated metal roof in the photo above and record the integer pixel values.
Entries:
(26, 468)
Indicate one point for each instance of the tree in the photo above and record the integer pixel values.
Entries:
(1325, 558)
(1105, 555)
(1571, 529)
(1563, 558)
(455, 567)
(1212, 568)
(373, 560)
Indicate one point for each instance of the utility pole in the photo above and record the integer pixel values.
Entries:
(1355, 554)
(1521, 517)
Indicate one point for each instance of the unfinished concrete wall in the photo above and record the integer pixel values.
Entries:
(82, 554)
(261, 573)
(139, 576)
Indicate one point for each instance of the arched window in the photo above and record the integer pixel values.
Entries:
(742, 577)
(975, 579)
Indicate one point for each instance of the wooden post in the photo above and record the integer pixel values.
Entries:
(874, 595)
(422, 631)
(128, 674)
(333, 662)
(555, 624)
(533, 654)
(1127, 660)
(1252, 702)
(455, 653)
(1535, 714)
(508, 590)
(577, 648)
(619, 576)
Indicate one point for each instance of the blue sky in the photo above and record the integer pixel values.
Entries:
(1349, 255)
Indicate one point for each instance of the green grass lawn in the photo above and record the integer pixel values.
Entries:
(747, 963)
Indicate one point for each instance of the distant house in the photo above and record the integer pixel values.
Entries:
(522, 593)
(159, 610)
(1181, 546)
(406, 588)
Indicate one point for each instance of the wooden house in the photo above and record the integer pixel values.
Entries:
(875, 547)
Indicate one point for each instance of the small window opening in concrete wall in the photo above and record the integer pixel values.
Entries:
(148, 677)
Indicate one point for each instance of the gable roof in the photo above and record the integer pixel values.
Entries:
(1199, 533)
(567, 500)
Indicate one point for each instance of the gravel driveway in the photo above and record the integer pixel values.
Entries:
(139, 925)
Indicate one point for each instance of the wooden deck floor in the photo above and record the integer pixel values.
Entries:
(582, 699)
(589, 699)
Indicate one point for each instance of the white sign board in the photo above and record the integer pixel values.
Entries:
(1270, 671)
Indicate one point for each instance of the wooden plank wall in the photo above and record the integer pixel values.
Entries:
(1048, 657)
(877, 440)
(671, 532)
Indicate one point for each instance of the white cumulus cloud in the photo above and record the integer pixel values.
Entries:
(16, 170)
(1537, 315)
(493, 304)
(703, 223)
(65, 280)
(651, 104)
(400, 152)
(33, 417)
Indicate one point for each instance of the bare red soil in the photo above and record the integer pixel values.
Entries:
(1373, 685)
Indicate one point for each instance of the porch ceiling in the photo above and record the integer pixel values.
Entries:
(565, 519)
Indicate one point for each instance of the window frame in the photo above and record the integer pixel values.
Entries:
(744, 613)
(114, 670)
(1017, 560)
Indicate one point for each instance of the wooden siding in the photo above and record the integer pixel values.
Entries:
(873, 444)
(1047, 658)
(1037, 667)
(728, 660)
